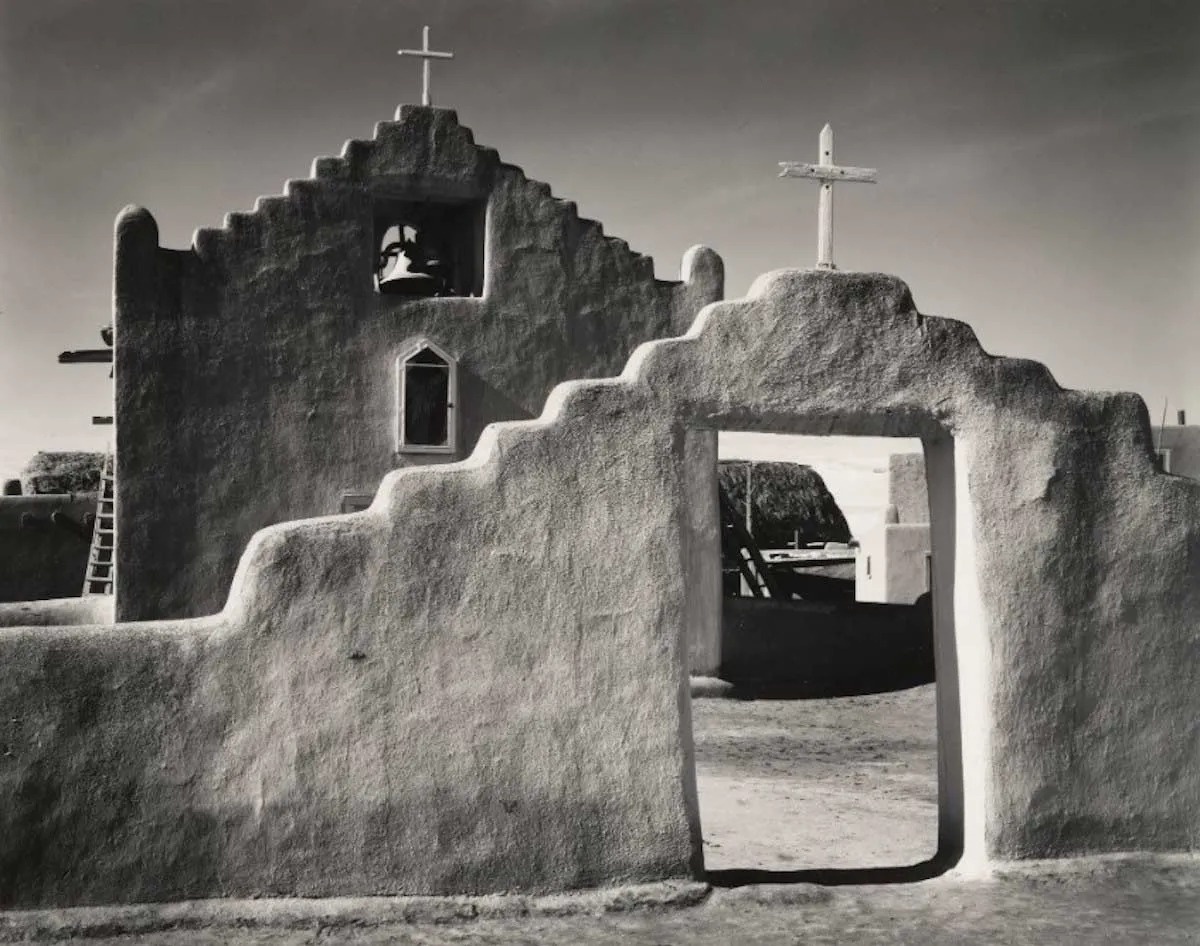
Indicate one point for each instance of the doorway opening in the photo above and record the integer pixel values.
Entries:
(827, 752)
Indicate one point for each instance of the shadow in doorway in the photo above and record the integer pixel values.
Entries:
(835, 876)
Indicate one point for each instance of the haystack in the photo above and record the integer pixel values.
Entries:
(788, 500)
(66, 472)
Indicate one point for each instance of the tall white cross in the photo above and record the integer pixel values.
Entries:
(826, 172)
(426, 54)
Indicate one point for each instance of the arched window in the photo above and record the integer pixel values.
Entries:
(426, 391)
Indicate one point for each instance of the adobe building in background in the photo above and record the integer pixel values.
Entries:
(1178, 448)
(894, 559)
(377, 315)
(46, 520)
(44, 544)
(893, 565)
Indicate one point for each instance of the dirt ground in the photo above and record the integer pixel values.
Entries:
(797, 784)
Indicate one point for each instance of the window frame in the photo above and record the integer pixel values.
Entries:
(404, 356)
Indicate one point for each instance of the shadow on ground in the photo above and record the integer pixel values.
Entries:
(794, 650)
(835, 876)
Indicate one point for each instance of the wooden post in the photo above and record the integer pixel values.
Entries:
(749, 525)
(825, 205)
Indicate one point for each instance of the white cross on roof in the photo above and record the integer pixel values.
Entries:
(426, 54)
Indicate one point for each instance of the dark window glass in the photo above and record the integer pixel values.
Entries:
(426, 399)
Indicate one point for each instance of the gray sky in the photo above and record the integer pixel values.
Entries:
(1039, 173)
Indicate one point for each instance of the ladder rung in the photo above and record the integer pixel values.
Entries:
(100, 574)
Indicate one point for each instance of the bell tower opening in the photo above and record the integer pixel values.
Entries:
(429, 248)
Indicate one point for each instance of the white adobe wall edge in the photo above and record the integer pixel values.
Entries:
(57, 612)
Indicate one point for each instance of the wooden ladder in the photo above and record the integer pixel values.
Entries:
(101, 565)
(741, 547)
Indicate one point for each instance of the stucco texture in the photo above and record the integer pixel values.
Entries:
(480, 683)
(255, 377)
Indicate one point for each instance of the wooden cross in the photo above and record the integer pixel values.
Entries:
(826, 172)
(426, 54)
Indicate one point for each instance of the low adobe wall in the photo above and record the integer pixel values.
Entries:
(809, 649)
(480, 683)
(39, 559)
(58, 612)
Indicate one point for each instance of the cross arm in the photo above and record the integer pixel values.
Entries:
(424, 53)
(827, 172)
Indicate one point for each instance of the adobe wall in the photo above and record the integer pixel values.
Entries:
(892, 564)
(1184, 444)
(323, 735)
(58, 612)
(907, 490)
(820, 649)
(255, 372)
(39, 559)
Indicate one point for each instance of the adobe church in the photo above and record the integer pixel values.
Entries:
(378, 315)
